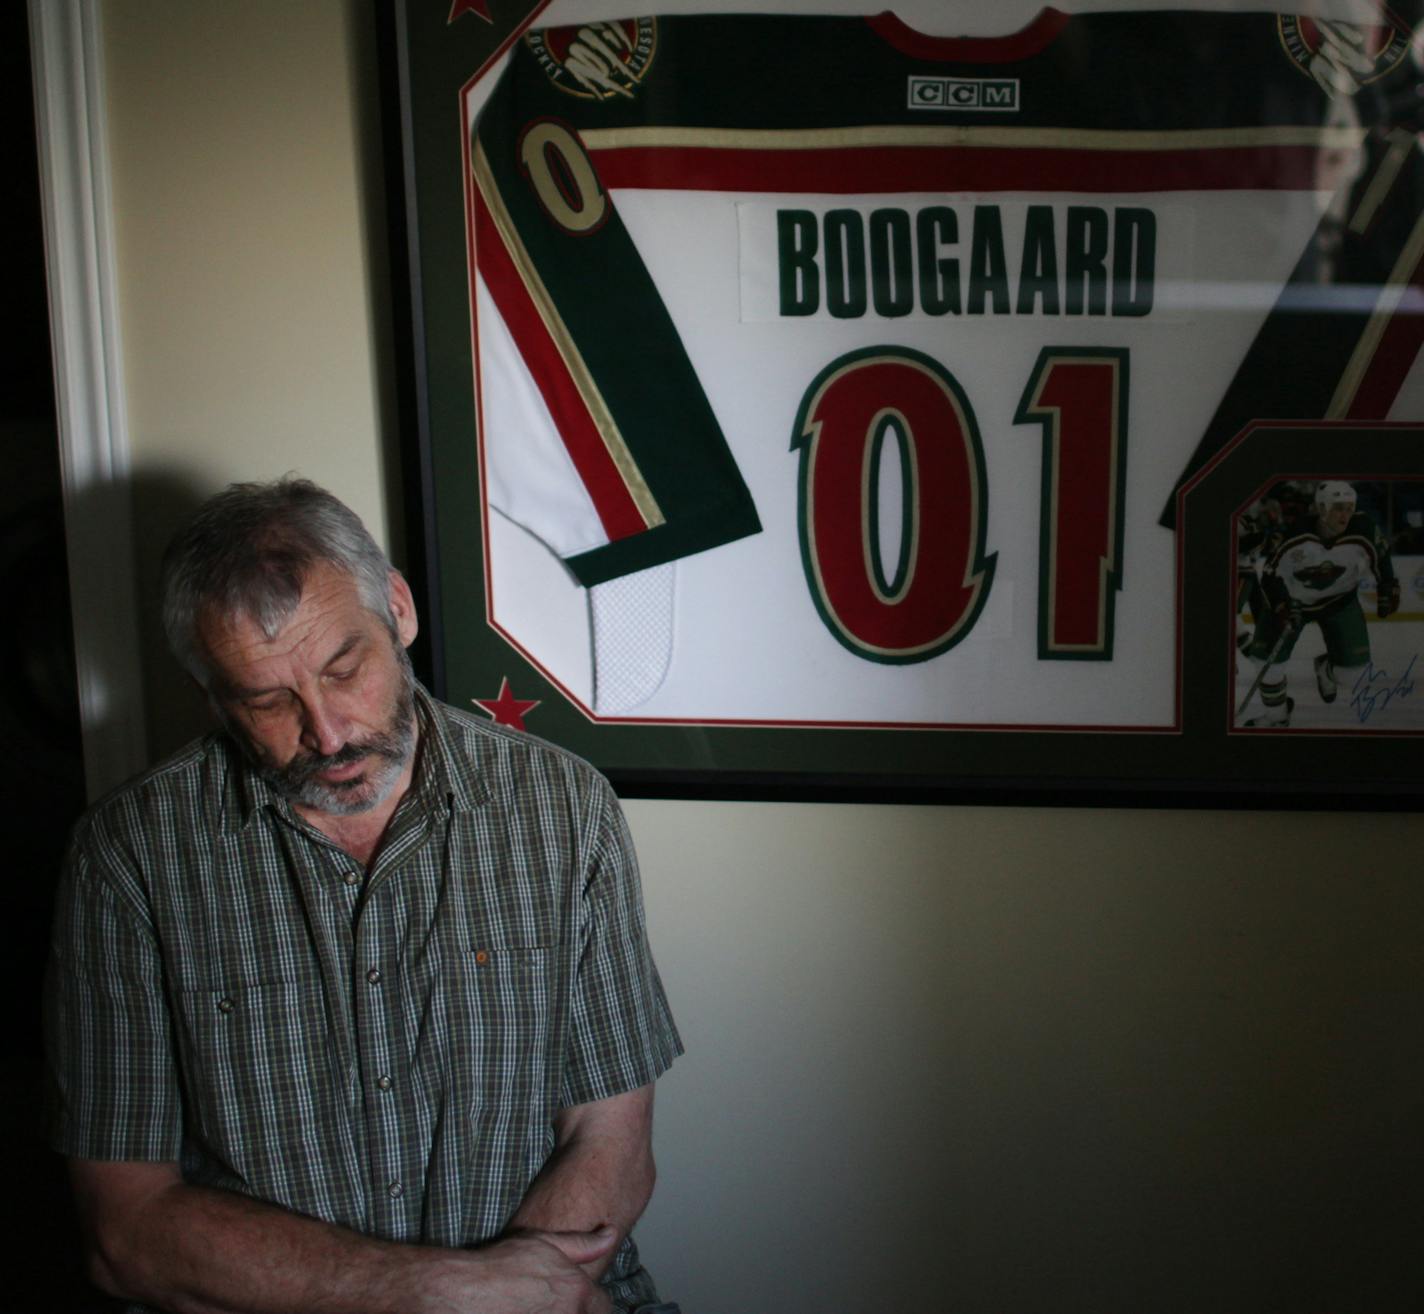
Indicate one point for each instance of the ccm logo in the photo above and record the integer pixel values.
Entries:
(964, 93)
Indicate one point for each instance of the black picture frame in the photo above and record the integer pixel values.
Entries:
(1196, 756)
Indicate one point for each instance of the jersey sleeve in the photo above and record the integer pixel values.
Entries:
(1342, 336)
(1273, 587)
(638, 446)
(1382, 561)
(108, 1032)
(622, 1034)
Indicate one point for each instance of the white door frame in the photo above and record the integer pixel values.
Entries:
(66, 58)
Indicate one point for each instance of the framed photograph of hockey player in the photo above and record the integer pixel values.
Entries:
(1302, 607)
(1320, 560)
(829, 403)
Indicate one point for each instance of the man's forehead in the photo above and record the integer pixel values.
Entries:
(330, 614)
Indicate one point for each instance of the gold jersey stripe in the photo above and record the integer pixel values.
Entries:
(1390, 296)
(1400, 144)
(786, 139)
(613, 440)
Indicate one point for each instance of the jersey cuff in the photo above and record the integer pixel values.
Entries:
(709, 527)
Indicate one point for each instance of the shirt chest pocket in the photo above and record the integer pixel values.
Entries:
(504, 1015)
(249, 1047)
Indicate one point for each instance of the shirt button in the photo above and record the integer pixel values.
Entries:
(352, 878)
(225, 1005)
(384, 1082)
(374, 976)
(395, 1190)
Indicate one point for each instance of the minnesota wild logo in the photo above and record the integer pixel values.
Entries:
(1340, 56)
(1319, 576)
(596, 61)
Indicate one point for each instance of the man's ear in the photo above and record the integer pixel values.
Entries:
(403, 609)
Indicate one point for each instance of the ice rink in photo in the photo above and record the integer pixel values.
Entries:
(1388, 696)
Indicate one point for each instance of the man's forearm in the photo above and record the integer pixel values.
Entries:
(195, 1250)
(583, 1186)
(601, 1171)
(213, 1252)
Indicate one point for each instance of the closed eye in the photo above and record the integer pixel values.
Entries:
(345, 663)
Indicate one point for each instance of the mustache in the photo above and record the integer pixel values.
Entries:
(297, 772)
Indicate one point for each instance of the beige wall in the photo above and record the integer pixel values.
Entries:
(245, 150)
(939, 1058)
(1038, 1061)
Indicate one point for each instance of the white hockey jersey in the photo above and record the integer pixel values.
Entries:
(1319, 571)
(833, 374)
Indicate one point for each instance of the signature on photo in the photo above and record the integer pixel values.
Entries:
(1376, 689)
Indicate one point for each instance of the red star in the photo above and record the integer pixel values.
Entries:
(507, 709)
(480, 7)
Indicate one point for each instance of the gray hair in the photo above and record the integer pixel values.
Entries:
(247, 552)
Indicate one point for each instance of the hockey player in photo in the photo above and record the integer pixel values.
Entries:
(1255, 528)
(1312, 572)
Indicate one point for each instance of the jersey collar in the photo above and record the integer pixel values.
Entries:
(1028, 40)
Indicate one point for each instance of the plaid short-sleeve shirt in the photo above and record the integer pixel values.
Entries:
(230, 990)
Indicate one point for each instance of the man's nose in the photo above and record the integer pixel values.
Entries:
(324, 729)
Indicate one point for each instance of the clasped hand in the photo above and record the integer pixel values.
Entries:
(532, 1272)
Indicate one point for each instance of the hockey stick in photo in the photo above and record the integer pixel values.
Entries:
(1265, 666)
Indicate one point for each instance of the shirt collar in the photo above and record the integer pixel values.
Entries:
(245, 793)
(445, 776)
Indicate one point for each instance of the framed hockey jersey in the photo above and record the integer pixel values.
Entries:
(822, 401)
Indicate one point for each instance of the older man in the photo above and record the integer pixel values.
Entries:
(351, 1006)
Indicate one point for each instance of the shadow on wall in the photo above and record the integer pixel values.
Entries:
(177, 711)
